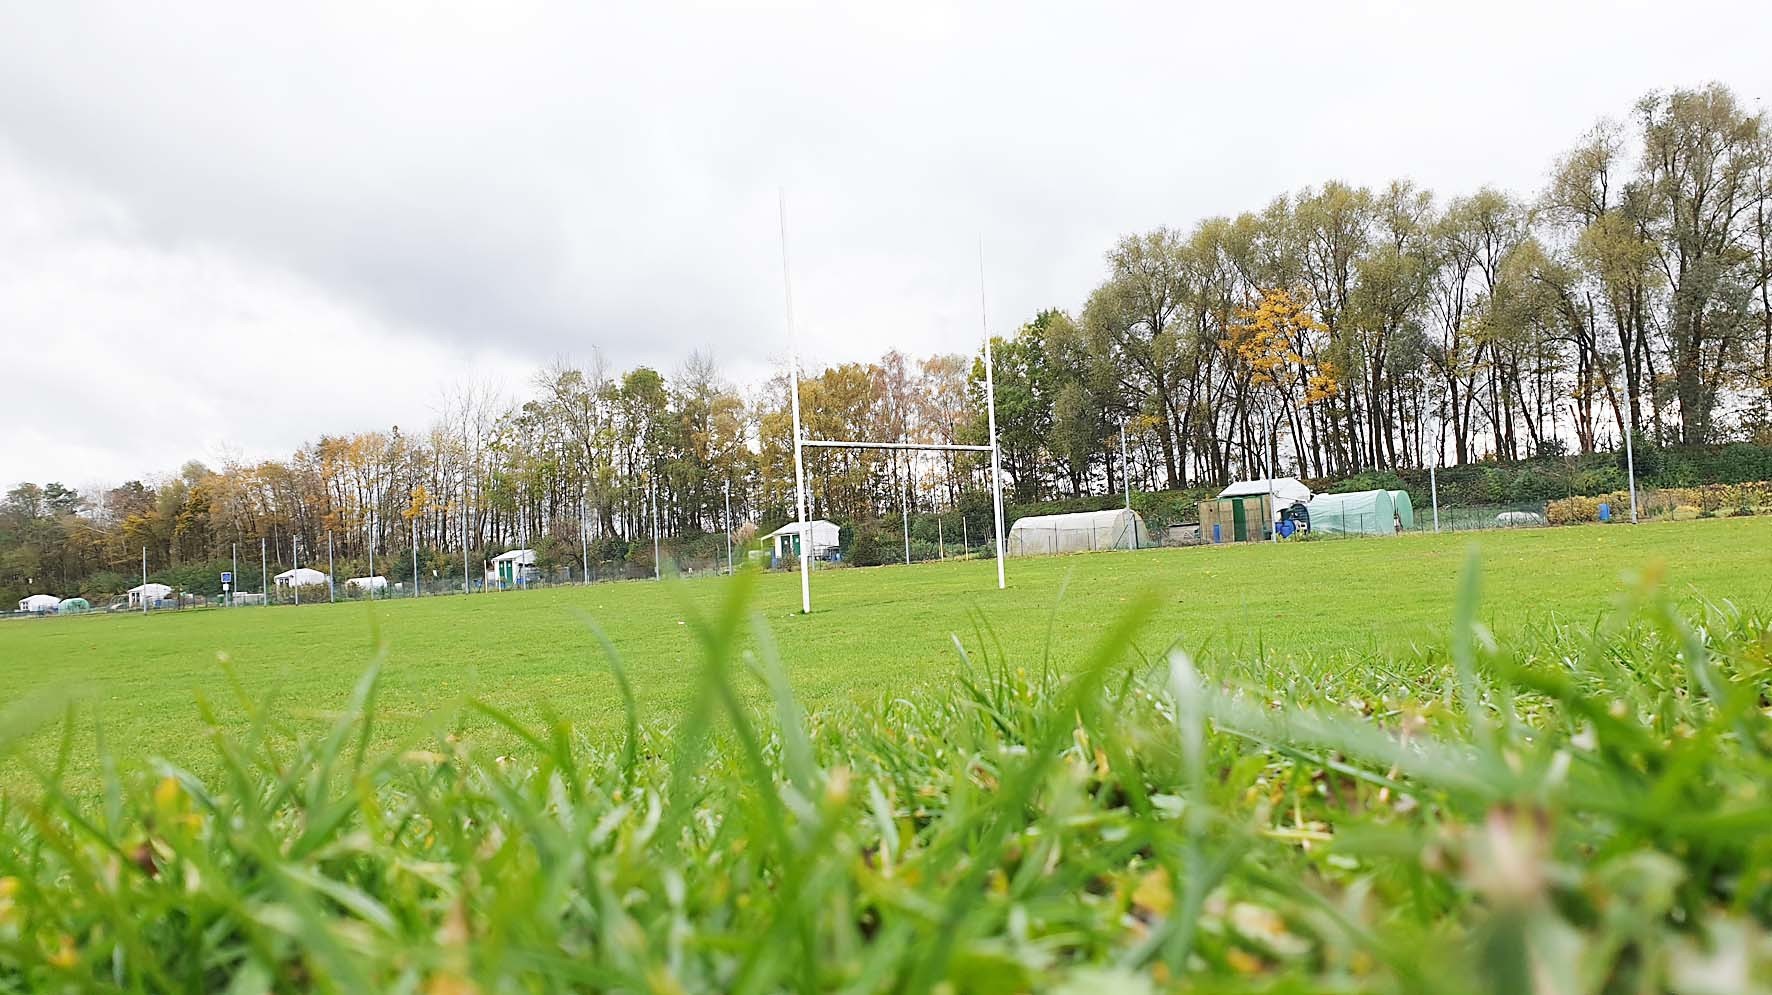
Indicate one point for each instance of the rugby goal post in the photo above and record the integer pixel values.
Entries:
(801, 442)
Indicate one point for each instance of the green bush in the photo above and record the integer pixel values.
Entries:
(1599, 480)
(870, 547)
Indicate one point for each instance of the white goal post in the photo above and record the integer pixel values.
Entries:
(800, 442)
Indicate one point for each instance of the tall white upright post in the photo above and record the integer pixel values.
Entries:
(264, 574)
(1630, 473)
(295, 564)
(584, 546)
(1273, 452)
(990, 404)
(234, 588)
(657, 568)
(371, 538)
(729, 528)
(794, 403)
(905, 507)
(144, 580)
(331, 571)
(415, 557)
(941, 542)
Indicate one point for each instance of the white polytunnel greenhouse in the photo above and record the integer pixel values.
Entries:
(1405, 507)
(1078, 532)
(1372, 513)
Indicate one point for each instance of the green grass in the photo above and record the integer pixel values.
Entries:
(1523, 777)
(873, 631)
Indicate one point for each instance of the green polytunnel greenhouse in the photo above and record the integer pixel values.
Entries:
(1405, 509)
(1370, 513)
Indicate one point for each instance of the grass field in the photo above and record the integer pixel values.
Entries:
(873, 631)
(1307, 768)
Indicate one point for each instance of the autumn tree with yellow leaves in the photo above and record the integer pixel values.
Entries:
(1273, 346)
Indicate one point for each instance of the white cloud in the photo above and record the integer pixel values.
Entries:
(428, 188)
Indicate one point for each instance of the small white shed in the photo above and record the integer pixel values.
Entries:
(1077, 532)
(149, 593)
(516, 566)
(39, 603)
(301, 577)
(787, 539)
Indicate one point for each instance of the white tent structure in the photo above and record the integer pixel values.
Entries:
(1078, 532)
(148, 593)
(1287, 491)
(301, 577)
(818, 536)
(365, 584)
(39, 603)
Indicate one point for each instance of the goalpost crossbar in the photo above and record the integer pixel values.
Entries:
(947, 447)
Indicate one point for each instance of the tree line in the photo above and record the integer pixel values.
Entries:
(1340, 329)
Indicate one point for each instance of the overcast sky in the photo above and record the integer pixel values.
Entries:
(228, 228)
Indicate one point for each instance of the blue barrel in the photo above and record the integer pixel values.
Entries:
(1605, 512)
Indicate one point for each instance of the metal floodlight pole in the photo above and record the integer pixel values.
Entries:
(990, 403)
(144, 580)
(657, 567)
(1433, 489)
(331, 571)
(295, 564)
(794, 403)
(1630, 473)
(464, 534)
(584, 548)
(941, 542)
(729, 528)
(415, 557)
(1433, 476)
(1125, 465)
(264, 574)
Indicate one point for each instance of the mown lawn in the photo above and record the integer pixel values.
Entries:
(1358, 766)
(872, 631)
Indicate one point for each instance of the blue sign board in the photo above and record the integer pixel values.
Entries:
(227, 576)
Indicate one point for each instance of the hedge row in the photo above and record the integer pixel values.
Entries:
(1710, 500)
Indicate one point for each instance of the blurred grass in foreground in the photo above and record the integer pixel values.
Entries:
(1578, 810)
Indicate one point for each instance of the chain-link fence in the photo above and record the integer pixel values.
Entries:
(1479, 517)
